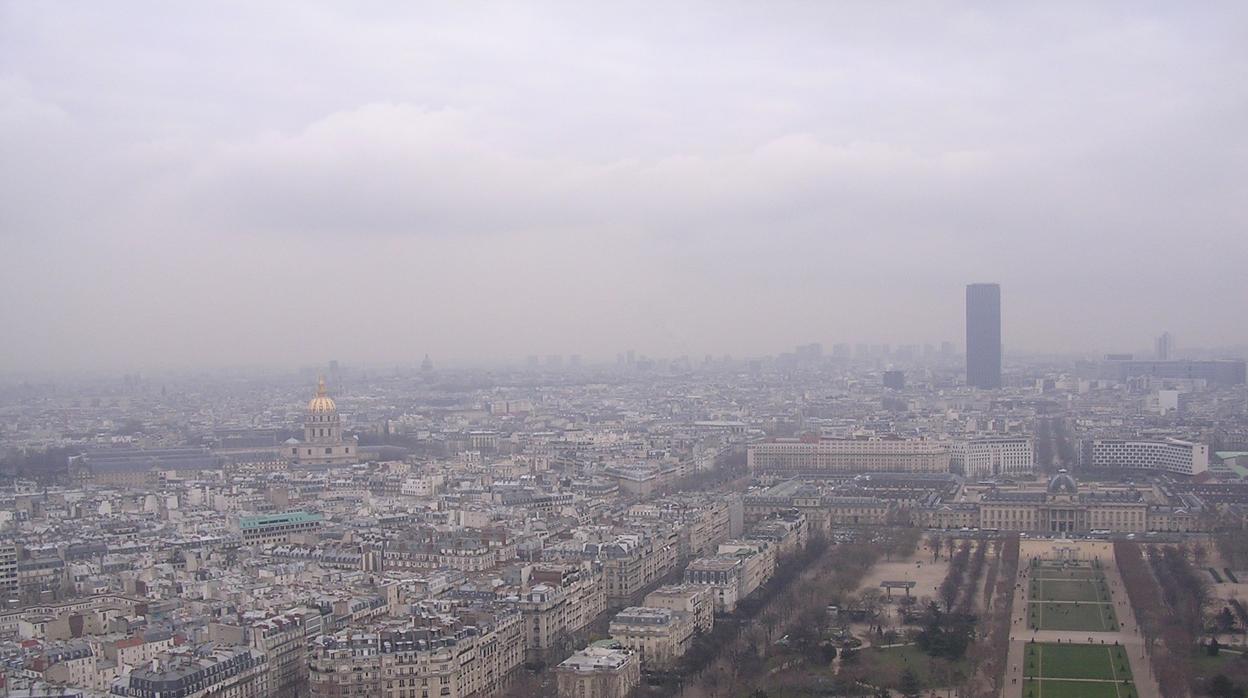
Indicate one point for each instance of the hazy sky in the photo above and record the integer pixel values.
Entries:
(268, 183)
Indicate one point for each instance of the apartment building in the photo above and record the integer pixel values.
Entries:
(659, 636)
(722, 575)
(695, 600)
(137, 649)
(8, 571)
(283, 640)
(787, 531)
(630, 561)
(74, 663)
(733, 573)
(598, 672)
(471, 654)
(760, 562)
(468, 551)
(562, 601)
(238, 672)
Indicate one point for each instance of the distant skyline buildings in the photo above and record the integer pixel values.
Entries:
(914, 350)
(981, 357)
(983, 335)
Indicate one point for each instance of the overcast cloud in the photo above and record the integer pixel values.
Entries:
(278, 183)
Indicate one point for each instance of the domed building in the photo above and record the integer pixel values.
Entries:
(1063, 483)
(323, 443)
(1063, 508)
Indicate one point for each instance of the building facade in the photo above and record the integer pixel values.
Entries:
(821, 511)
(659, 636)
(276, 528)
(598, 672)
(722, 575)
(786, 458)
(1061, 508)
(1173, 456)
(421, 658)
(992, 456)
(687, 598)
(8, 571)
(323, 442)
(239, 672)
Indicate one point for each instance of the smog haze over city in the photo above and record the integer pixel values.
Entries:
(623, 350)
(203, 184)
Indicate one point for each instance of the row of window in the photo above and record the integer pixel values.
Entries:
(328, 451)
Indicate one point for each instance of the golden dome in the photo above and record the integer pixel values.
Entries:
(322, 403)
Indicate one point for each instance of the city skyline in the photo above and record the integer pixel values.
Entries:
(886, 354)
(555, 349)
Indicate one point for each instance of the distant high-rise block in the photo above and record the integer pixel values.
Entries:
(895, 380)
(983, 335)
(1163, 346)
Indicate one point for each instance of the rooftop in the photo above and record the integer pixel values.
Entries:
(593, 659)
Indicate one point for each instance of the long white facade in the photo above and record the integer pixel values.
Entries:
(1171, 455)
(992, 455)
(793, 457)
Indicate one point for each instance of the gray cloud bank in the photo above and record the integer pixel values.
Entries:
(247, 183)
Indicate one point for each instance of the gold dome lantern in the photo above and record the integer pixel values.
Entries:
(322, 403)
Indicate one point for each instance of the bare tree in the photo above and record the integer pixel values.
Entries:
(1200, 554)
(770, 620)
(870, 600)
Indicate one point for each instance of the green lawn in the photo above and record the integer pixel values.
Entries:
(886, 666)
(1060, 572)
(1067, 590)
(1050, 688)
(1204, 665)
(1068, 661)
(1093, 617)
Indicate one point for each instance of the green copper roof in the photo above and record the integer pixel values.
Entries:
(290, 517)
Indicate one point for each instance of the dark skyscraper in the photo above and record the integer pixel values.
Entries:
(1164, 346)
(983, 335)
